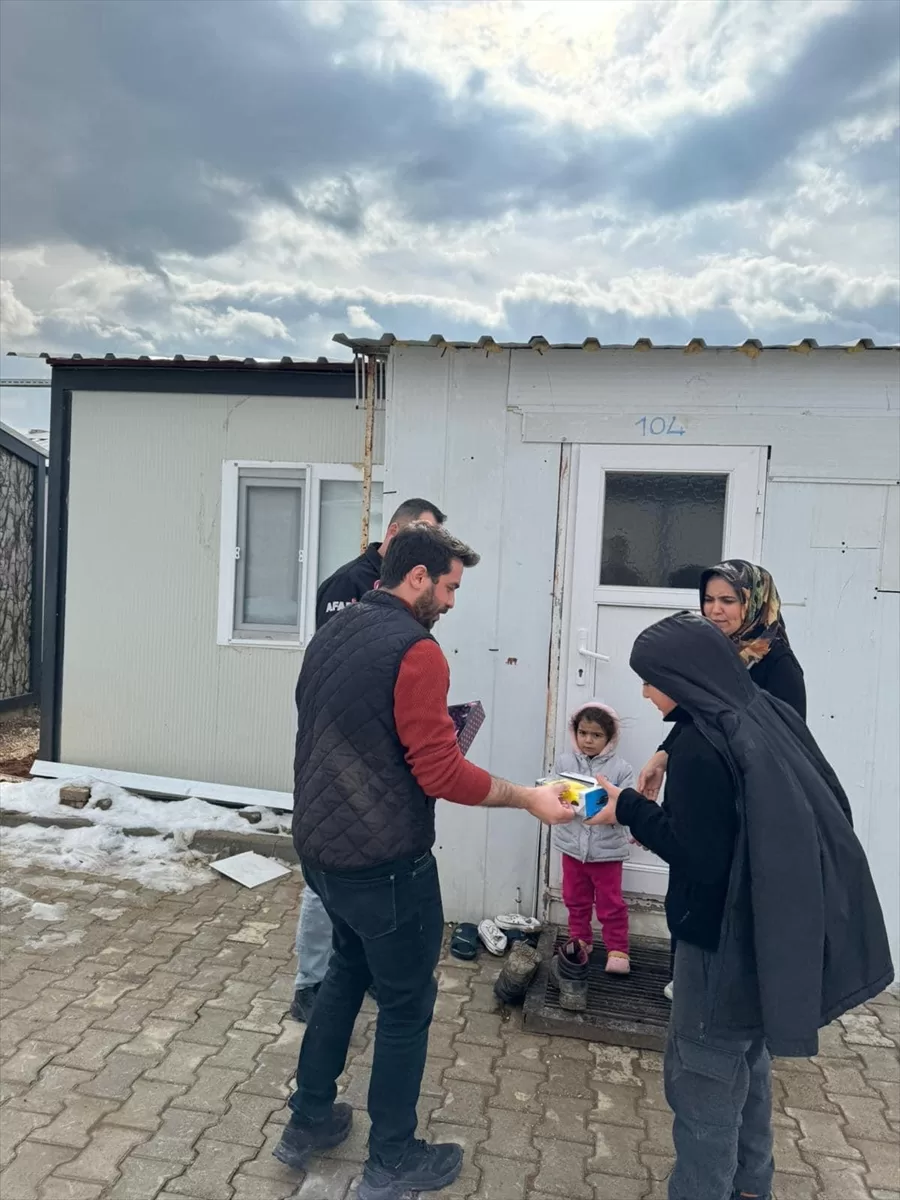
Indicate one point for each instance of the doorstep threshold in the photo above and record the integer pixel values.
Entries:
(623, 1010)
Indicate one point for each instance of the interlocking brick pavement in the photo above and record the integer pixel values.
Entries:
(151, 1057)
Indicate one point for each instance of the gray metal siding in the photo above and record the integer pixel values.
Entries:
(145, 686)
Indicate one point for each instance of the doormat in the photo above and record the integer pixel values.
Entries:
(628, 1010)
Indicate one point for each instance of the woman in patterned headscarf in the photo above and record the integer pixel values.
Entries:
(741, 599)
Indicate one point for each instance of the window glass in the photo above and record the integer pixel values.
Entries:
(340, 522)
(272, 541)
(661, 530)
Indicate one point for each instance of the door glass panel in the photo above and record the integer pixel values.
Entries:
(661, 530)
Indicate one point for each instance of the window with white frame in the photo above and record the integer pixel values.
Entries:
(285, 528)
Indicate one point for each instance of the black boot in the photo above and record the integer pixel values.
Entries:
(423, 1168)
(569, 971)
(299, 1142)
(517, 974)
(302, 1004)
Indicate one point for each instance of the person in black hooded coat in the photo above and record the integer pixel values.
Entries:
(778, 924)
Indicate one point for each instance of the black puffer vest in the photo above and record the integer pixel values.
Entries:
(356, 802)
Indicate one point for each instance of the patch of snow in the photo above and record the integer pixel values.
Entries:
(10, 898)
(55, 941)
(40, 798)
(48, 912)
(163, 864)
(107, 914)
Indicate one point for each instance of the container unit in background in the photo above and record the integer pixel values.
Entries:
(194, 507)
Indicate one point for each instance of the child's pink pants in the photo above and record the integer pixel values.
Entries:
(587, 885)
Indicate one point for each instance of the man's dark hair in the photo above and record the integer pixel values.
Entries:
(411, 510)
(428, 546)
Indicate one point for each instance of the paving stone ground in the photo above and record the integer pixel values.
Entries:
(146, 1055)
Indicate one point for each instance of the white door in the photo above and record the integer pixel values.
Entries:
(647, 520)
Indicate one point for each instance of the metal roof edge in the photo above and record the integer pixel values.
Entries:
(752, 347)
(212, 362)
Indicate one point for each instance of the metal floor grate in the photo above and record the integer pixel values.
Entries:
(624, 1010)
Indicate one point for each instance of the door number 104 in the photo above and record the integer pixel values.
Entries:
(660, 427)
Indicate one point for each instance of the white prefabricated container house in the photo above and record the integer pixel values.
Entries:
(195, 506)
(596, 482)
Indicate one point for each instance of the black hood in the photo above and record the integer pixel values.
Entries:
(694, 664)
(803, 937)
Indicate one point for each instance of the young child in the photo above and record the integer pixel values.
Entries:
(592, 856)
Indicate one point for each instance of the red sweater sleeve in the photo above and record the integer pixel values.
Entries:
(426, 730)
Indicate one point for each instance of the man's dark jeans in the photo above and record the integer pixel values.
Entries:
(388, 928)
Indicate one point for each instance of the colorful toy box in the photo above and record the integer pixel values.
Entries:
(583, 792)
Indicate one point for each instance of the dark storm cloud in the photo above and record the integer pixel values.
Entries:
(842, 71)
(141, 127)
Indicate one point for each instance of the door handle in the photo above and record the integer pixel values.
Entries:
(580, 676)
(583, 650)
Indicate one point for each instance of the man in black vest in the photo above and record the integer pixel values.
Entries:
(346, 586)
(375, 745)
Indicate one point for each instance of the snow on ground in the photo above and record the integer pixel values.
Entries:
(163, 864)
(10, 898)
(40, 798)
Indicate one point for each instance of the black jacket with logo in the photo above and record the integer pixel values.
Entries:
(356, 801)
(348, 584)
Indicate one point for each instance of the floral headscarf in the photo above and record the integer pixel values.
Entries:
(762, 623)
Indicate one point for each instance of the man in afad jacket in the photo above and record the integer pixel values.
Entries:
(346, 586)
(375, 745)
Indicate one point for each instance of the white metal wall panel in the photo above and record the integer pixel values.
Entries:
(889, 568)
(669, 380)
(451, 439)
(145, 687)
(849, 517)
(884, 817)
(804, 445)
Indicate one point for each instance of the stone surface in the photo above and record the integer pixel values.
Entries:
(153, 1060)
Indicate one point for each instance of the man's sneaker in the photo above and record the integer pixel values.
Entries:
(299, 1142)
(302, 1004)
(515, 923)
(669, 991)
(517, 974)
(493, 939)
(569, 970)
(423, 1168)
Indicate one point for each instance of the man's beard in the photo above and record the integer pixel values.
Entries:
(427, 610)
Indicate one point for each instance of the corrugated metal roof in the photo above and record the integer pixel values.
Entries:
(437, 341)
(192, 362)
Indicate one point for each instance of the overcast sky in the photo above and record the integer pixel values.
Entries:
(231, 177)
